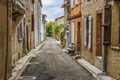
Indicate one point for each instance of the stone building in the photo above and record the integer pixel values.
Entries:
(113, 55)
(43, 27)
(18, 23)
(38, 21)
(66, 6)
(5, 39)
(28, 29)
(92, 19)
(75, 21)
(100, 35)
(59, 21)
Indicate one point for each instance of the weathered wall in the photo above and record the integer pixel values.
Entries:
(75, 18)
(91, 8)
(113, 61)
(17, 50)
(3, 39)
(38, 17)
(76, 21)
(113, 66)
(59, 20)
(5, 42)
(9, 56)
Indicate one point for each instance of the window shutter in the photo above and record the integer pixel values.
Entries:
(90, 33)
(107, 25)
(23, 29)
(72, 32)
(76, 1)
(71, 3)
(85, 32)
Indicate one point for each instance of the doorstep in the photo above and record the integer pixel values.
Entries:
(97, 73)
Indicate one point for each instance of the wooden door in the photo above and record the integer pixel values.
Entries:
(99, 35)
(78, 36)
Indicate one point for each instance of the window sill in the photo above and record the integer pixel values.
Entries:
(20, 40)
(117, 48)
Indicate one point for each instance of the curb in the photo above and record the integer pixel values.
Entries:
(96, 73)
(21, 63)
(19, 71)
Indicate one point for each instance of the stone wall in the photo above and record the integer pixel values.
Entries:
(75, 19)
(113, 66)
(113, 57)
(3, 40)
(59, 20)
(91, 8)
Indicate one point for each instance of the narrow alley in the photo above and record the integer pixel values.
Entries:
(52, 63)
(59, 39)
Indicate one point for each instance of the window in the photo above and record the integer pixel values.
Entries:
(20, 32)
(88, 32)
(32, 22)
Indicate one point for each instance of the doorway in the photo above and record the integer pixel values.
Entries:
(99, 35)
(99, 32)
(78, 36)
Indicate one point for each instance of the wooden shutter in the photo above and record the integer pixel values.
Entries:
(71, 3)
(32, 22)
(73, 32)
(85, 32)
(21, 30)
(90, 33)
(107, 26)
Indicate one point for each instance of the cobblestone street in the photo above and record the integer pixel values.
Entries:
(52, 63)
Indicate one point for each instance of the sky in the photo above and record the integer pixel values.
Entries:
(52, 8)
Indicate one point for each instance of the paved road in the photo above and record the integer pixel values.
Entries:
(52, 63)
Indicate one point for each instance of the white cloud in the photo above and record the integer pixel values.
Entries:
(52, 8)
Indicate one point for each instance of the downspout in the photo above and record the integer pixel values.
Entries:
(6, 60)
(68, 11)
(105, 59)
(107, 33)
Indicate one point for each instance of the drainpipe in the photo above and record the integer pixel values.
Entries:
(68, 11)
(107, 34)
(6, 60)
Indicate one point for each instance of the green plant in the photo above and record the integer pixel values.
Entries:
(58, 28)
(49, 28)
(62, 36)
